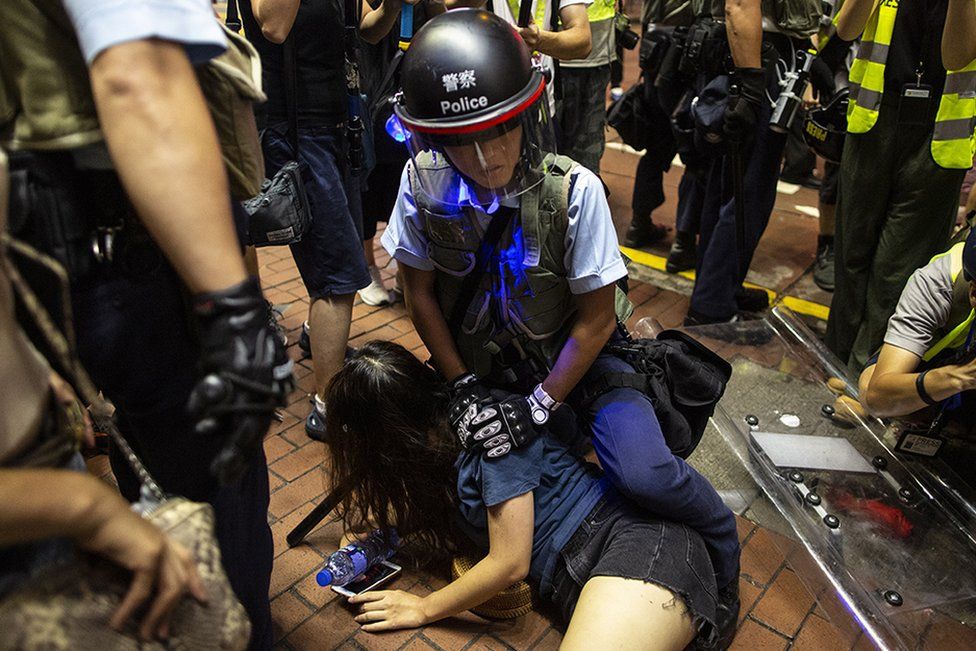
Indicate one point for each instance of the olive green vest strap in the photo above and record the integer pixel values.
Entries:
(551, 197)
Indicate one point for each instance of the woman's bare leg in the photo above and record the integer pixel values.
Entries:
(617, 613)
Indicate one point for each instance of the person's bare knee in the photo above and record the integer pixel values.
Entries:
(613, 612)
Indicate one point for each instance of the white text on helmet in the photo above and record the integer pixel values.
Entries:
(463, 104)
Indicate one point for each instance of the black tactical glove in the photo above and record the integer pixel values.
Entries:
(466, 392)
(499, 425)
(246, 374)
(822, 80)
(746, 96)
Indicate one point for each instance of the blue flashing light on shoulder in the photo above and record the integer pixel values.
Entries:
(396, 130)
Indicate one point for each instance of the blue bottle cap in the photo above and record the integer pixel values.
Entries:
(324, 578)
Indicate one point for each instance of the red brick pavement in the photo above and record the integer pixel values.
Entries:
(778, 612)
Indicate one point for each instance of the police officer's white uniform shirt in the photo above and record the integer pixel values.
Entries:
(100, 24)
(592, 259)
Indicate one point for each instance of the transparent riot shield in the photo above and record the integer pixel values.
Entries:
(891, 537)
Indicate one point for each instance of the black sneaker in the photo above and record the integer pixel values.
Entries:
(727, 614)
(823, 268)
(683, 254)
(315, 424)
(641, 234)
(751, 299)
(274, 320)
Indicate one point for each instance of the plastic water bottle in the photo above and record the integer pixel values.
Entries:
(358, 556)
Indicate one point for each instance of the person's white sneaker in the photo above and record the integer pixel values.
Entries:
(375, 293)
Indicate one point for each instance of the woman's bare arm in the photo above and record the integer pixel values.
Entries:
(510, 531)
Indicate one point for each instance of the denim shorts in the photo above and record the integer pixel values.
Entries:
(618, 539)
(330, 256)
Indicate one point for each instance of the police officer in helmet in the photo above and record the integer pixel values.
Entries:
(510, 265)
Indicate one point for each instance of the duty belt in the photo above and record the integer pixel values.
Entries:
(80, 217)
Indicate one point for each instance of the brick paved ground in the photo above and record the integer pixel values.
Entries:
(777, 610)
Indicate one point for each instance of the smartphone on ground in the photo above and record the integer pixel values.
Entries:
(371, 579)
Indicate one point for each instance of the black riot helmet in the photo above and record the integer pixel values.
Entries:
(472, 98)
(824, 127)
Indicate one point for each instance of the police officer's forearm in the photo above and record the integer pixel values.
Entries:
(743, 24)
(425, 312)
(959, 35)
(276, 17)
(595, 322)
(853, 17)
(164, 145)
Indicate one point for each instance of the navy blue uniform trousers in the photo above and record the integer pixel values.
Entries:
(135, 341)
(635, 457)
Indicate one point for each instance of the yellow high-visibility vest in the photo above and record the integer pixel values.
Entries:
(961, 316)
(954, 134)
(601, 10)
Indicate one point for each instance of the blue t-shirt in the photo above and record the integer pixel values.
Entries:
(564, 494)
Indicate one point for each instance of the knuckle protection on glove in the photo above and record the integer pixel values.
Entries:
(496, 441)
(485, 414)
(490, 430)
(499, 451)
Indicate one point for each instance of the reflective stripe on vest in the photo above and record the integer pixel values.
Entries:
(957, 334)
(954, 132)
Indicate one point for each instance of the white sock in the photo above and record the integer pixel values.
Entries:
(319, 404)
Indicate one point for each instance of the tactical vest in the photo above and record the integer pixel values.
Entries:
(46, 99)
(954, 133)
(961, 314)
(526, 286)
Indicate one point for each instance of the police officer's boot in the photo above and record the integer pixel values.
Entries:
(644, 232)
(684, 253)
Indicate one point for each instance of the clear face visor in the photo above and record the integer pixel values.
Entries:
(494, 163)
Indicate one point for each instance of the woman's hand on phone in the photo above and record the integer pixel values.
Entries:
(387, 610)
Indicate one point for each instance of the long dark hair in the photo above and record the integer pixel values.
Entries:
(386, 418)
